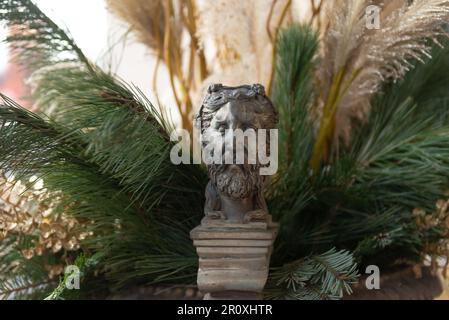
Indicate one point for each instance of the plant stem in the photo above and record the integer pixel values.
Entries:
(325, 132)
(269, 18)
(327, 128)
(273, 60)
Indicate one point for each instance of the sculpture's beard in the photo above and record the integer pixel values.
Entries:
(235, 181)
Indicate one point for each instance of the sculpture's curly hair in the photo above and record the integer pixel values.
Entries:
(218, 95)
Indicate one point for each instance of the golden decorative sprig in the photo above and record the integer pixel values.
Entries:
(26, 211)
(440, 219)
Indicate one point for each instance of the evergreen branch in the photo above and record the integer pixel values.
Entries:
(105, 179)
(293, 94)
(406, 136)
(399, 163)
(42, 44)
(22, 278)
(294, 90)
(20, 288)
(84, 265)
(125, 134)
(326, 276)
(108, 112)
(28, 142)
(363, 201)
(87, 195)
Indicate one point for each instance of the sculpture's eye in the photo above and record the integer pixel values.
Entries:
(249, 127)
(222, 128)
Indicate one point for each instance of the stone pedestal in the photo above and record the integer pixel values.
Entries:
(234, 259)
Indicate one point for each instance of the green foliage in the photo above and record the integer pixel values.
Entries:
(401, 151)
(21, 278)
(134, 231)
(292, 194)
(84, 265)
(401, 157)
(103, 151)
(396, 161)
(326, 276)
(293, 95)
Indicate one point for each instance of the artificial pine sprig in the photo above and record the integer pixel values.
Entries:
(317, 277)
(106, 149)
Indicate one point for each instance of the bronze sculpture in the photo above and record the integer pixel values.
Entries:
(235, 191)
(235, 239)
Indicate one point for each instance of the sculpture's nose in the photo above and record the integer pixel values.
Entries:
(236, 115)
(228, 147)
(235, 148)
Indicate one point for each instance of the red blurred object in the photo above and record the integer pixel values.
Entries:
(12, 84)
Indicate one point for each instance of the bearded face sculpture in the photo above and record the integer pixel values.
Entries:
(235, 190)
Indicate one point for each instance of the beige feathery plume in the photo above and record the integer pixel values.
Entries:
(146, 18)
(238, 33)
(157, 24)
(343, 40)
(344, 47)
(356, 60)
(226, 26)
(162, 25)
(340, 49)
(386, 53)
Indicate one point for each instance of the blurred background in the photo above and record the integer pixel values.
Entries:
(101, 36)
(109, 41)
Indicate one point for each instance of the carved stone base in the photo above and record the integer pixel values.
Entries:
(233, 261)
